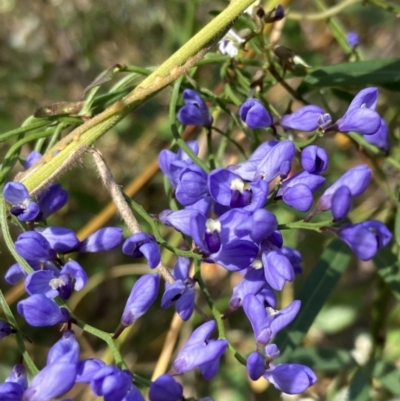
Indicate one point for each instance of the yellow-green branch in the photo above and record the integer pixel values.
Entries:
(60, 155)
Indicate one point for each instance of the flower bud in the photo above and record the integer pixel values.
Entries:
(254, 114)
(195, 111)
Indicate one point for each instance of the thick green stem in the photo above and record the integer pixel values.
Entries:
(177, 65)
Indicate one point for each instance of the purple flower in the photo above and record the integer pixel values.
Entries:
(260, 225)
(61, 239)
(380, 138)
(254, 114)
(277, 269)
(17, 194)
(291, 378)
(356, 180)
(172, 164)
(16, 272)
(87, 369)
(143, 245)
(64, 350)
(134, 394)
(297, 191)
(104, 239)
(277, 162)
(265, 323)
(199, 351)
(111, 383)
(15, 384)
(182, 291)
(5, 329)
(341, 203)
(195, 111)
(256, 366)
(252, 283)
(53, 283)
(294, 257)
(51, 200)
(33, 246)
(142, 296)
(10, 391)
(247, 169)
(32, 159)
(276, 14)
(364, 121)
(306, 119)
(52, 381)
(192, 185)
(165, 388)
(314, 159)
(218, 237)
(365, 239)
(228, 189)
(38, 310)
(360, 115)
(18, 375)
(352, 39)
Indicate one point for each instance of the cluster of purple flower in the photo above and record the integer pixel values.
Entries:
(360, 117)
(64, 368)
(226, 216)
(225, 213)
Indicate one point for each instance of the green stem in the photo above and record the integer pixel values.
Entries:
(329, 12)
(156, 232)
(216, 313)
(211, 157)
(228, 137)
(12, 155)
(372, 148)
(106, 337)
(305, 225)
(7, 237)
(385, 6)
(20, 341)
(39, 123)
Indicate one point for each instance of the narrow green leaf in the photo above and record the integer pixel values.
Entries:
(313, 294)
(357, 74)
(389, 269)
(18, 335)
(359, 386)
(323, 359)
(388, 374)
(7, 237)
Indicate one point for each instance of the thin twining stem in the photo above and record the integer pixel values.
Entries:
(122, 206)
(330, 12)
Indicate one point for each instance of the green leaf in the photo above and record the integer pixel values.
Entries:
(389, 270)
(384, 72)
(323, 359)
(313, 294)
(388, 374)
(333, 319)
(359, 386)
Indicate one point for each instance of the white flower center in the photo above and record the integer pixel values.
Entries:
(237, 185)
(56, 283)
(213, 225)
(257, 264)
(272, 311)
